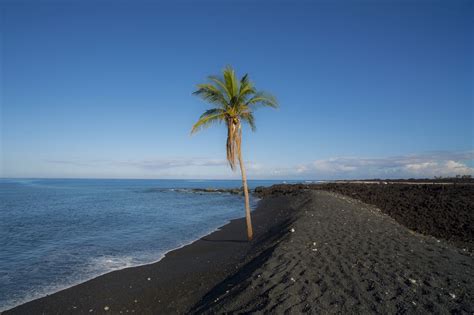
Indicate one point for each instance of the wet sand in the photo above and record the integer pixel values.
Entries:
(314, 251)
(175, 283)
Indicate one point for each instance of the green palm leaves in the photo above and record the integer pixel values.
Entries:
(234, 101)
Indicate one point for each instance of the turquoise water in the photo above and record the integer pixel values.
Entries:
(55, 233)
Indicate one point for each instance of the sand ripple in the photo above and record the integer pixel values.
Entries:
(344, 256)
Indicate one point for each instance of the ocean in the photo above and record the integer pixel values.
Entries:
(55, 233)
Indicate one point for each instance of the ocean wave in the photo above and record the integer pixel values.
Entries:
(98, 229)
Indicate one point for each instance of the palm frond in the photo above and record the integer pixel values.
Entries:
(235, 101)
(215, 115)
(221, 86)
(250, 119)
(246, 89)
(231, 81)
(262, 99)
(211, 94)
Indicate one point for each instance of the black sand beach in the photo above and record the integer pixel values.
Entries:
(315, 251)
(441, 209)
(175, 283)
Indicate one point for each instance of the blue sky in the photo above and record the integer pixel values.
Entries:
(366, 88)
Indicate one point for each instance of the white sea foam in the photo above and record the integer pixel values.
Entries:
(95, 267)
(109, 263)
(73, 250)
(98, 266)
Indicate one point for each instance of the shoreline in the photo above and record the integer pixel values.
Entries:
(87, 295)
(120, 262)
(79, 282)
(315, 250)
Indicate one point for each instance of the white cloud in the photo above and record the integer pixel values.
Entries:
(415, 165)
(334, 165)
(158, 164)
(149, 164)
(420, 165)
(442, 168)
(251, 166)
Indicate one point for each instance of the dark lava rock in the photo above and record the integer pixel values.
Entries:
(441, 210)
(233, 191)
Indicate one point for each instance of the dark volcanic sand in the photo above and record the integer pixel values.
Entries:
(440, 210)
(176, 282)
(344, 256)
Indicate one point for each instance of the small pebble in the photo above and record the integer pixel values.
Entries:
(106, 308)
(292, 230)
(91, 310)
(412, 281)
(148, 279)
(452, 295)
(293, 279)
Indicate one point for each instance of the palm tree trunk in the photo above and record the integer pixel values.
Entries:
(246, 194)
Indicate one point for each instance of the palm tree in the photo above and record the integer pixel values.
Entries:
(233, 103)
